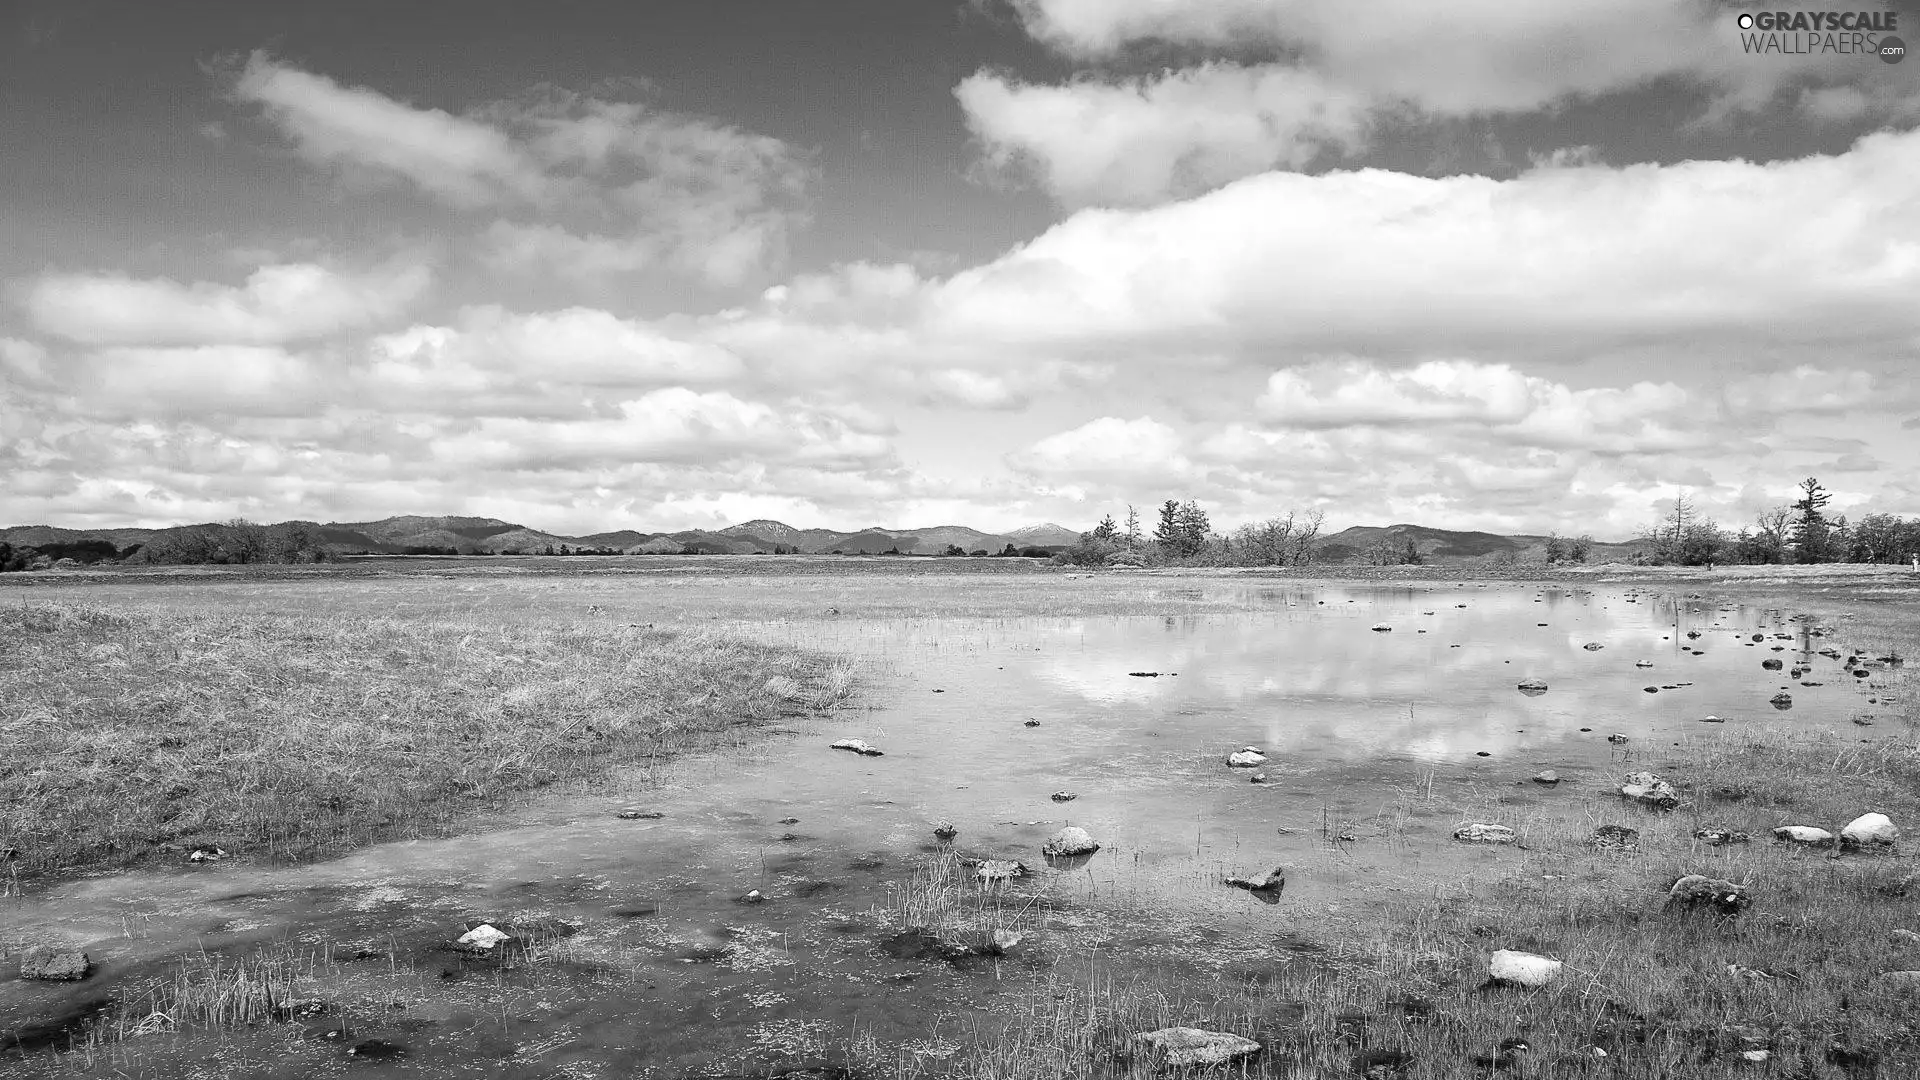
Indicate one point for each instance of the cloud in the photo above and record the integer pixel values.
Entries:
(277, 304)
(1404, 59)
(1106, 448)
(1142, 140)
(586, 186)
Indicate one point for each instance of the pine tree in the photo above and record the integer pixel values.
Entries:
(1812, 536)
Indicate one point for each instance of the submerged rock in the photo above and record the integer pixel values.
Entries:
(1063, 796)
(1186, 1047)
(1869, 832)
(1782, 700)
(945, 830)
(1593, 646)
(1480, 832)
(1772, 664)
(1699, 892)
(1516, 968)
(1068, 842)
(1651, 790)
(1380, 628)
(1270, 882)
(1617, 739)
(1032, 723)
(55, 965)
(1711, 719)
(1247, 757)
(1533, 687)
(1803, 834)
(858, 746)
(1258, 778)
(1615, 838)
(634, 813)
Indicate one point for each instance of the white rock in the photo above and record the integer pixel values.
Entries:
(1648, 788)
(1870, 830)
(1755, 1056)
(1802, 834)
(1000, 870)
(1004, 941)
(1185, 1046)
(1523, 969)
(1480, 832)
(858, 746)
(1070, 841)
(1248, 758)
(484, 936)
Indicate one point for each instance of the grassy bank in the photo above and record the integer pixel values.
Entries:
(131, 734)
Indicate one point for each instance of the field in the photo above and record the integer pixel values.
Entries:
(293, 716)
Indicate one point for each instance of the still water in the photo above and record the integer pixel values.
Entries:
(665, 969)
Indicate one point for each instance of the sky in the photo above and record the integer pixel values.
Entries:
(587, 266)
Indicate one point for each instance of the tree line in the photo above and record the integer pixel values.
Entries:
(1796, 532)
(1184, 536)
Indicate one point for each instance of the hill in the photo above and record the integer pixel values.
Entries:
(1451, 546)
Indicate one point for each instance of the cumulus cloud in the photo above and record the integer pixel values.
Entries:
(1402, 58)
(1142, 140)
(589, 186)
(277, 304)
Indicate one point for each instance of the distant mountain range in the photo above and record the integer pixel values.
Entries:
(476, 535)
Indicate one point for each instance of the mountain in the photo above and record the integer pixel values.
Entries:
(1046, 534)
(1450, 546)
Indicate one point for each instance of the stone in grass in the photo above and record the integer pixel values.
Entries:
(1807, 835)
(1480, 832)
(1000, 870)
(481, 938)
(1187, 1047)
(1068, 842)
(945, 830)
(1247, 757)
(55, 965)
(1510, 967)
(1869, 832)
(634, 813)
(1615, 838)
(1719, 836)
(1546, 777)
(858, 746)
(1698, 892)
(1650, 790)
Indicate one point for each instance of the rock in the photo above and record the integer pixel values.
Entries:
(1186, 1047)
(858, 746)
(1000, 870)
(1904, 937)
(1802, 834)
(1533, 687)
(376, 1050)
(1643, 663)
(1869, 832)
(1772, 664)
(1480, 832)
(945, 831)
(482, 938)
(1004, 942)
(1651, 689)
(1711, 719)
(1258, 778)
(789, 821)
(754, 896)
(1782, 700)
(1248, 757)
(1615, 838)
(206, 855)
(1617, 739)
(1522, 969)
(1063, 796)
(1698, 891)
(1547, 777)
(1069, 842)
(1593, 646)
(1380, 628)
(1033, 723)
(1719, 837)
(55, 965)
(1644, 787)
(1144, 674)
(634, 813)
(1272, 881)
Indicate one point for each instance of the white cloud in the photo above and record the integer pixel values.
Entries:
(613, 186)
(1141, 140)
(277, 304)
(1405, 58)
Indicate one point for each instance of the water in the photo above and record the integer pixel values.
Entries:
(668, 969)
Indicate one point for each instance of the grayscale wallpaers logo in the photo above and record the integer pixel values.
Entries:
(1805, 33)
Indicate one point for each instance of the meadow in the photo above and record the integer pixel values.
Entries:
(293, 716)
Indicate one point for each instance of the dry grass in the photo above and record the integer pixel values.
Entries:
(132, 732)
